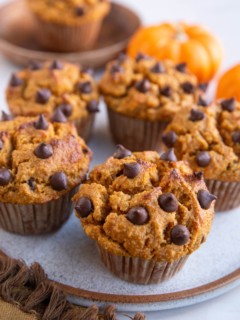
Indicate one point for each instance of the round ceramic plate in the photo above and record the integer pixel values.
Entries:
(19, 43)
(72, 260)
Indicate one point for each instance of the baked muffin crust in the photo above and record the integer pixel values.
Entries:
(40, 161)
(141, 206)
(44, 88)
(210, 141)
(146, 89)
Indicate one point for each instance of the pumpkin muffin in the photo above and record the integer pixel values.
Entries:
(61, 91)
(68, 25)
(41, 167)
(146, 213)
(142, 96)
(209, 139)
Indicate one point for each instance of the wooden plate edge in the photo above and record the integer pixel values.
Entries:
(42, 55)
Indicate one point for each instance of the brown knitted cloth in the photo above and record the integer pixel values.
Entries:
(28, 290)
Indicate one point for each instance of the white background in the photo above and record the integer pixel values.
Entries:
(223, 18)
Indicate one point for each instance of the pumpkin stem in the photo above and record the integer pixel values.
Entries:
(180, 34)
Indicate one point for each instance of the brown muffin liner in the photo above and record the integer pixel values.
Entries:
(85, 126)
(64, 38)
(36, 218)
(140, 271)
(227, 194)
(135, 134)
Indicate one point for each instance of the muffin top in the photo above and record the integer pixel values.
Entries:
(40, 161)
(69, 12)
(45, 88)
(209, 139)
(147, 89)
(146, 206)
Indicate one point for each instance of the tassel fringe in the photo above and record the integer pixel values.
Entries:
(30, 289)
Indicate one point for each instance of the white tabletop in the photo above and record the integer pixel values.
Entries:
(222, 17)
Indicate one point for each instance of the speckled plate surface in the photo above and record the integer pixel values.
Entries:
(71, 259)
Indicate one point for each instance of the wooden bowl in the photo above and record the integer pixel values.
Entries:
(19, 42)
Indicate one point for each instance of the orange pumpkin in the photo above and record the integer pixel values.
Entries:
(180, 42)
(229, 84)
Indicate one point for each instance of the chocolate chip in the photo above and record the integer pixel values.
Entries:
(85, 150)
(181, 67)
(205, 199)
(66, 109)
(166, 91)
(121, 152)
(5, 177)
(188, 87)
(116, 69)
(141, 56)
(203, 159)
(85, 87)
(236, 137)
(202, 102)
(198, 175)
(58, 116)
(43, 96)
(84, 207)
(180, 235)
(228, 104)
(168, 202)
(88, 70)
(143, 86)
(31, 184)
(35, 65)
(92, 106)
(79, 11)
(196, 115)
(169, 139)
(169, 156)
(6, 116)
(43, 151)
(203, 239)
(1, 144)
(138, 216)
(59, 181)
(15, 81)
(131, 170)
(158, 68)
(56, 65)
(203, 86)
(41, 124)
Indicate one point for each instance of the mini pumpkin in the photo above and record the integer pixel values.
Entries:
(229, 84)
(191, 44)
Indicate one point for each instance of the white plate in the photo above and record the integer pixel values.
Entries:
(70, 258)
